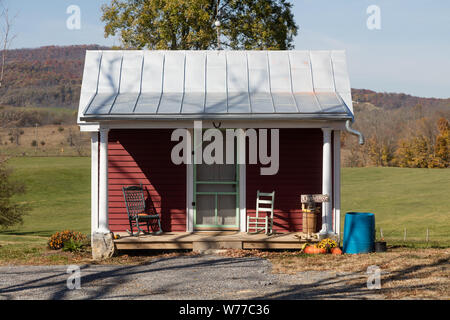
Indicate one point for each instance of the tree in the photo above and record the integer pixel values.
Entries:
(76, 141)
(11, 213)
(15, 134)
(420, 151)
(6, 23)
(190, 24)
(441, 151)
(404, 154)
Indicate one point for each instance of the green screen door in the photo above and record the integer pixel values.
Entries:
(216, 189)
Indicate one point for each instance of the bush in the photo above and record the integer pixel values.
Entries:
(67, 239)
(72, 245)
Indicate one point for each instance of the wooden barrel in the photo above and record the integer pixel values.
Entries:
(309, 222)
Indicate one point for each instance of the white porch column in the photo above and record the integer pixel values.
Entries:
(190, 187)
(327, 187)
(337, 182)
(103, 226)
(94, 182)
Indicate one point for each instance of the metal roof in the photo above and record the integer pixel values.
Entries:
(128, 85)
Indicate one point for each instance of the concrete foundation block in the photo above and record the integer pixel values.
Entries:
(102, 246)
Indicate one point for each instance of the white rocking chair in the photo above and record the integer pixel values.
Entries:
(263, 220)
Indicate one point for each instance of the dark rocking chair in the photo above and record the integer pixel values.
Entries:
(137, 216)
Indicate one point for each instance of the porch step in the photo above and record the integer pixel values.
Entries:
(200, 246)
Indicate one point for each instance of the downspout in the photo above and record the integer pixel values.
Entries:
(348, 127)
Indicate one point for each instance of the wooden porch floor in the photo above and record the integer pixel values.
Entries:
(198, 241)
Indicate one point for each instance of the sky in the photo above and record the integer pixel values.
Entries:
(407, 48)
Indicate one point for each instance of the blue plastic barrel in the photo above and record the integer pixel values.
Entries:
(359, 232)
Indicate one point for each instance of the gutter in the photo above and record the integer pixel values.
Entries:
(218, 117)
(348, 127)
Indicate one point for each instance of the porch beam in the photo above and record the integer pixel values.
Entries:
(327, 187)
(209, 124)
(103, 223)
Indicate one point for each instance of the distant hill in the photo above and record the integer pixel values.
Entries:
(51, 77)
(397, 100)
(44, 77)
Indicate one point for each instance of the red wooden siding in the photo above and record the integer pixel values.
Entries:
(300, 172)
(143, 156)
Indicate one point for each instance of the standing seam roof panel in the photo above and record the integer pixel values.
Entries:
(173, 82)
(195, 83)
(237, 82)
(280, 82)
(108, 82)
(151, 84)
(259, 82)
(322, 71)
(216, 83)
(90, 79)
(130, 83)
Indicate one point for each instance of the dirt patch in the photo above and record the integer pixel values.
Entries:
(49, 140)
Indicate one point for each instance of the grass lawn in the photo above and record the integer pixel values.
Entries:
(415, 199)
(58, 190)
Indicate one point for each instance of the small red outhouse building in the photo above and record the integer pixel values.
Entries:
(289, 108)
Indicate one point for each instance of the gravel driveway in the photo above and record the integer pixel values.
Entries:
(183, 277)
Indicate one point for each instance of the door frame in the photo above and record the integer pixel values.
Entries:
(190, 196)
(236, 193)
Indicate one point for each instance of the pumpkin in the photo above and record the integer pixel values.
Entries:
(314, 250)
(336, 251)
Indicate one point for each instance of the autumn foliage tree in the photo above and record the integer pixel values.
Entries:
(442, 146)
(413, 153)
(421, 151)
(410, 137)
(190, 24)
(380, 152)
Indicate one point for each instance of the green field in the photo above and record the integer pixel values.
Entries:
(58, 190)
(415, 199)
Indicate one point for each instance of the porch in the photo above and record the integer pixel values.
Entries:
(199, 241)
